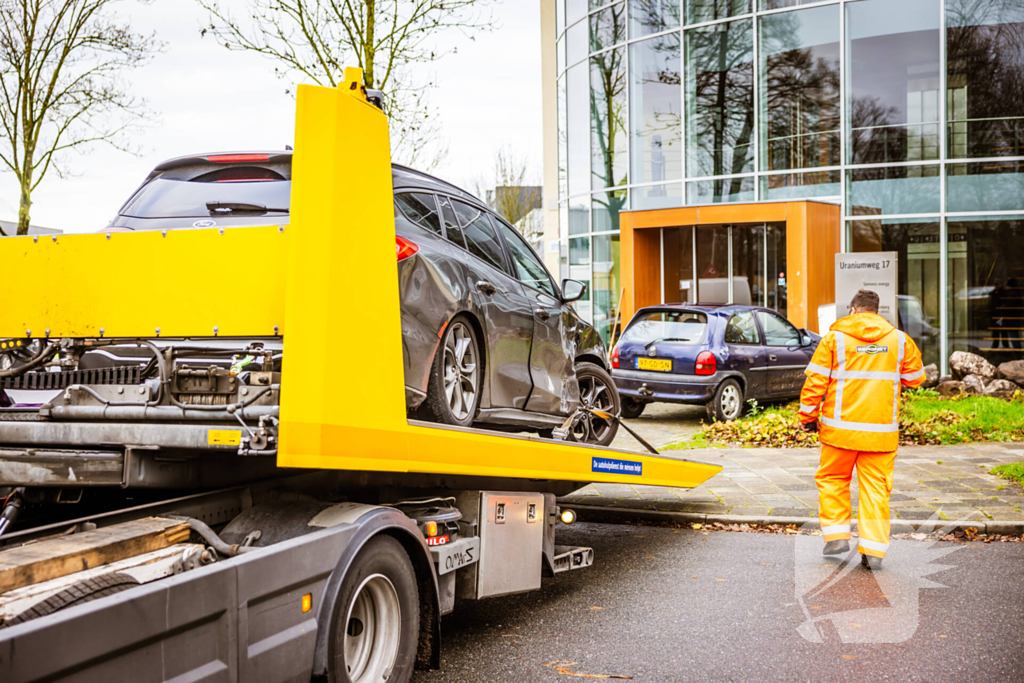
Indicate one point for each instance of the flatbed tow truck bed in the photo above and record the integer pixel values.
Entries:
(196, 524)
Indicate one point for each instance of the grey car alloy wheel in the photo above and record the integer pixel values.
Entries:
(460, 371)
(594, 394)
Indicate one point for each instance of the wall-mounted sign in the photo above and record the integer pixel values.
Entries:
(870, 270)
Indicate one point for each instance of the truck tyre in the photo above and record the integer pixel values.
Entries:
(632, 408)
(597, 391)
(727, 403)
(456, 378)
(375, 626)
(84, 591)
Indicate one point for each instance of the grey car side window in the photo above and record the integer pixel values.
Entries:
(529, 269)
(421, 209)
(741, 329)
(480, 238)
(452, 229)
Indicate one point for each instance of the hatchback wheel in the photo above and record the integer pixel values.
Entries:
(455, 380)
(728, 402)
(597, 392)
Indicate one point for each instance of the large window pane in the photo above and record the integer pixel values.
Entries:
(893, 190)
(579, 269)
(579, 216)
(918, 294)
(985, 186)
(986, 286)
(799, 67)
(893, 71)
(985, 87)
(574, 9)
(606, 283)
(608, 118)
(657, 196)
(720, 99)
(607, 206)
(559, 16)
(680, 287)
(578, 127)
(652, 16)
(720, 190)
(801, 185)
(576, 42)
(656, 106)
(563, 140)
(608, 27)
(780, 4)
(709, 10)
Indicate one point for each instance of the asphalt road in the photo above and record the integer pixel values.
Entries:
(680, 605)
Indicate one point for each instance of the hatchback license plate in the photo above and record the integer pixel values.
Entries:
(658, 364)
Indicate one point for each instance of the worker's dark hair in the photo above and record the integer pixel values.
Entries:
(865, 301)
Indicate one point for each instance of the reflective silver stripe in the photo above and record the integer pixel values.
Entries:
(896, 384)
(819, 370)
(859, 426)
(840, 367)
(807, 409)
(837, 529)
(869, 374)
(872, 545)
(911, 376)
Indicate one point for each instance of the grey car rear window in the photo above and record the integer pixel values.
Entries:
(421, 209)
(452, 229)
(164, 198)
(678, 327)
(480, 238)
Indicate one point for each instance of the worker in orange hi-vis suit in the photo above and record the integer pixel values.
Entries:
(852, 397)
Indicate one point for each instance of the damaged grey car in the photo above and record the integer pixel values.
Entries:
(489, 338)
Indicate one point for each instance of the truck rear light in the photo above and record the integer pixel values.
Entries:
(615, 356)
(404, 248)
(706, 363)
(236, 158)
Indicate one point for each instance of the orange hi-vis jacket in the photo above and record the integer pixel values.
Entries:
(853, 383)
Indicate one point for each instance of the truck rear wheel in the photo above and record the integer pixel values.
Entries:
(375, 626)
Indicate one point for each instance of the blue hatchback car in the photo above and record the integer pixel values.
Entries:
(717, 355)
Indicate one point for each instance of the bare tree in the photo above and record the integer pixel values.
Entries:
(314, 39)
(514, 197)
(61, 68)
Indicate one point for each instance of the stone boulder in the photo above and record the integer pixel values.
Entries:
(963, 364)
(1001, 388)
(931, 376)
(950, 388)
(1012, 370)
(974, 384)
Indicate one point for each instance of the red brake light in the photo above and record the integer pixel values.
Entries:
(615, 356)
(404, 248)
(236, 158)
(706, 363)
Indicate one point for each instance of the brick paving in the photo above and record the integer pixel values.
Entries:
(950, 481)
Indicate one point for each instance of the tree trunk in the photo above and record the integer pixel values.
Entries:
(369, 48)
(25, 205)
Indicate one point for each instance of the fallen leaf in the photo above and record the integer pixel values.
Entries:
(561, 667)
(815, 606)
(853, 624)
(767, 564)
(719, 579)
(942, 636)
(849, 657)
(792, 532)
(697, 526)
(649, 557)
(695, 577)
(597, 608)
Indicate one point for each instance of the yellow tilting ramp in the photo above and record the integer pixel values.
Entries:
(328, 284)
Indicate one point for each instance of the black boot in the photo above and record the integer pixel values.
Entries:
(840, 547)
(871, 562)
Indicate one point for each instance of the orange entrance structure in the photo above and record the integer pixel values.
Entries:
(812, 241)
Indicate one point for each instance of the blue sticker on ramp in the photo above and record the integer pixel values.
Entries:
(610, 466)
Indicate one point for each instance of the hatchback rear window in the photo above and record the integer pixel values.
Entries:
(680, 327)
(202, 198)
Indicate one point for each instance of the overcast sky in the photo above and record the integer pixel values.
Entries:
(209, 99)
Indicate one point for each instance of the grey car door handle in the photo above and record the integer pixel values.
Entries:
(542, 314)
(486, 287)
(772, 357)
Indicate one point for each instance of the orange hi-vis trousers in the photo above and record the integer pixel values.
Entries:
(874, 477)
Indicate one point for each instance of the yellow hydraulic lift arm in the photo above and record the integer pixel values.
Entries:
(324, 282)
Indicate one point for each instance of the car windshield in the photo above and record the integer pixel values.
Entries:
(677, 327)
(163, 198)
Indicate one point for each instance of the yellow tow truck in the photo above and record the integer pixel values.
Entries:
(288, 532)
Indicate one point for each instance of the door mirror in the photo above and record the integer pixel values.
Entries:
(805, 337)
(573, 290)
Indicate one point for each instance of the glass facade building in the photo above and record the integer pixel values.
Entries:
(908, 114)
